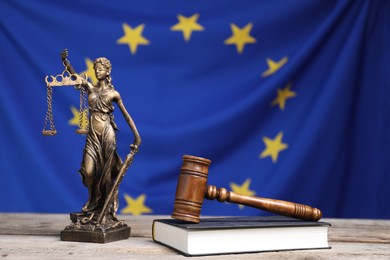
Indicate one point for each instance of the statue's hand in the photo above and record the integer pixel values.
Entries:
(84, 77)
(84, 82)
(134, 148)
(64, 54)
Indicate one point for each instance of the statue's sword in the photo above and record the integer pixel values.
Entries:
(118, 180)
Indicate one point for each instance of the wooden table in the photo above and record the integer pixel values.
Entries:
(36, 236)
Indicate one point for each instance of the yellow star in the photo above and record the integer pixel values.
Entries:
(187, 25)
(283, 95)
(90, 72)
(135, 206)
(133, 37)
(240, 37)
(76, 117)
(243, 189)
(273, 147)
(274, 66)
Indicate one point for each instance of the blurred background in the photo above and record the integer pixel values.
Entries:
(289, 100)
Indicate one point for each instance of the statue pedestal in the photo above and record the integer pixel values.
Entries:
(85, 229)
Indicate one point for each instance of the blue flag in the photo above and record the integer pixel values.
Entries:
(288, 99)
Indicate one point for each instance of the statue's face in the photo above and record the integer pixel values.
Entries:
(100, 71)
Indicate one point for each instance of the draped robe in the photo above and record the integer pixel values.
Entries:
(101, 147)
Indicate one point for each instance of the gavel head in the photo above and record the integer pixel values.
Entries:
(191, 188)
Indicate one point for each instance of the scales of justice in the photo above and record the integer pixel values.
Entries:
(102, 169)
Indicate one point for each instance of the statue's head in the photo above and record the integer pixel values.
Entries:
(103, 63)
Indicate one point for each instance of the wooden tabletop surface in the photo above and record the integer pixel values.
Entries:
(36, 236)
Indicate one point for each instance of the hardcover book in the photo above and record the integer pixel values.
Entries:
(240, 235)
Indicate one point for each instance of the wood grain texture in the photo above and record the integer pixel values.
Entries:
(36, 236)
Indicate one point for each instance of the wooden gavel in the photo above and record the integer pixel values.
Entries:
(192, 188)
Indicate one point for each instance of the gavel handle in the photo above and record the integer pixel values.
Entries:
(285, 208)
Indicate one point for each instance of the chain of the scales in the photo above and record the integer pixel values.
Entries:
(49, 114)
(83, 112)
(66, 79)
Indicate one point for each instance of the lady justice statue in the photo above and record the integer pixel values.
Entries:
(101, 168)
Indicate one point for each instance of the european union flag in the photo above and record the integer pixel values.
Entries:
(289, 100)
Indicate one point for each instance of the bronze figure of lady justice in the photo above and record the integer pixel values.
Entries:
(101, 169)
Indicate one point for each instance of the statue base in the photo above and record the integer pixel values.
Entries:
(84, 228)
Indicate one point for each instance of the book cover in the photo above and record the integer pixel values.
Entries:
(240, 235)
